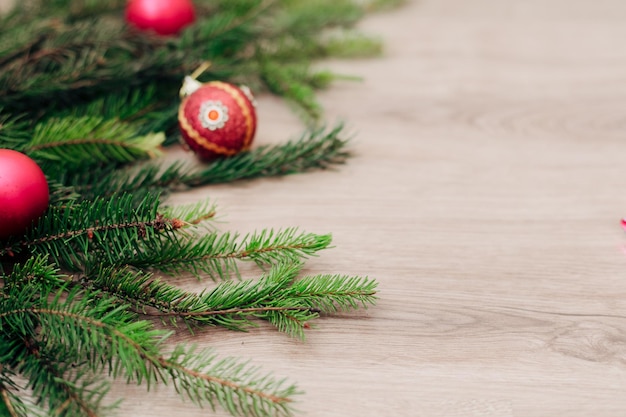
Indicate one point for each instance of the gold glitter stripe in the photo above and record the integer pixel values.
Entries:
(243, 104)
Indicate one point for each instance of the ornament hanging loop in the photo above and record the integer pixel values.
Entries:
(203, 67)
(190, 83)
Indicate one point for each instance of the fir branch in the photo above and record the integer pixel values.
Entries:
(68, 234)
(378, 5)
(101, 231)
(75, 58)
(12, 401)
(50, 380)
(11, 404)
(91, 325)
(321, 294)
(230, 22)
(14, 131)
(230, 304)
(24, 38)
(292, 320)
(302, 18)
(331, 293)
(269, 247)
(192, 214)
(90, 140)
(216, 255)
(107, 181)
(61, 194)
(288, 81)
(237, 388)
(7, 401)
(88, 55)
(60, 349)
(288, 305)
(36, 270)
(351, 44)
(93, 330)
(125, 105)
(316, 149)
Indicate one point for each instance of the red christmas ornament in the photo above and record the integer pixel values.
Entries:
(216, 119)
(165, 17)
(24, 194)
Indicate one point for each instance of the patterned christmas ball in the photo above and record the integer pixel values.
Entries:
(24, 193)
(217, 119)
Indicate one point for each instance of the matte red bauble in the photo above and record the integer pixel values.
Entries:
(217, 119)
(24, 194)
(165, 17)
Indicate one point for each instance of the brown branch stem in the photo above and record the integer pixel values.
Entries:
(223, 382)
(158, 224)
(248, 310)
(7, 401)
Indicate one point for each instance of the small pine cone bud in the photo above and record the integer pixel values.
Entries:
(177, 223)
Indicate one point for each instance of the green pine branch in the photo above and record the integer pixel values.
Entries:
(120, 232)
(36, 270)
(195, 214)
(11, 403)
(277, 297)
(90, 140)
(332, 293)
(241, 390)
(70, 233)
(217, 254)
(138, 179)
(53, 376)
(231, 304)
(86, 333)
(377, 5)
(14, 132)
(127, 105)
(55, 61)
(64, 391)
(316, 149)
(61, 331)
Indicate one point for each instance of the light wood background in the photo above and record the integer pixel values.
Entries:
(485, 197)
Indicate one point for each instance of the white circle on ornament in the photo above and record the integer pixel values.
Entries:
(213, 114)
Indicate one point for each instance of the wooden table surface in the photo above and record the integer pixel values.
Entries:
(485, 197)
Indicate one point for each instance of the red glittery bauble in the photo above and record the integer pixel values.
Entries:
(165, 17)
(218, 119)
(24, 194)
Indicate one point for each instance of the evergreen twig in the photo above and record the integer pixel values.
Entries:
(217, 254)
(316, 149)
(287, 303)
(129, 347)
(70, 232)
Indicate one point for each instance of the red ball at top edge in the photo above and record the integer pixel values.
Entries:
(165, 17)
(24, 194)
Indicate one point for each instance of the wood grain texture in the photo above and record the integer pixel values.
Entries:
(485, 197)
